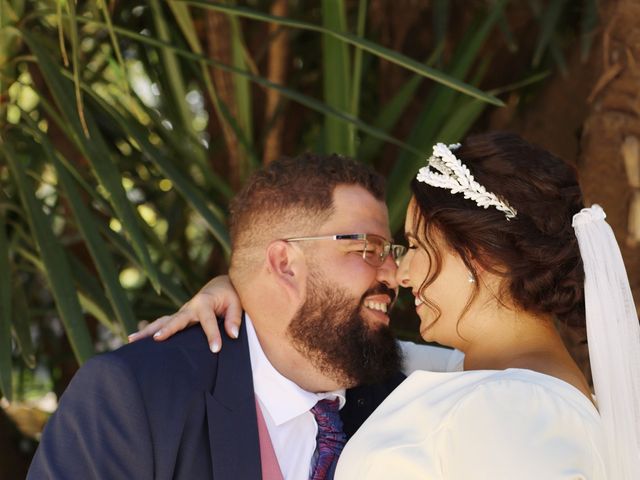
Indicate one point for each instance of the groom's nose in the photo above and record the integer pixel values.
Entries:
(386, 273)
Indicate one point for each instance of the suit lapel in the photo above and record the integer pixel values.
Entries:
(231, 414)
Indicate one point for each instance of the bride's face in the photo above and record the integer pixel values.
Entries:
(440, 301)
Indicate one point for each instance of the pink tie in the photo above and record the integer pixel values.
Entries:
(270, 466)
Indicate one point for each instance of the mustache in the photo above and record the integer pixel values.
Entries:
(380, 289)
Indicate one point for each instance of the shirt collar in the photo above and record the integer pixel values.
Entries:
(283, 399)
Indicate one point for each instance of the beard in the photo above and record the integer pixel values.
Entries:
(330, 331)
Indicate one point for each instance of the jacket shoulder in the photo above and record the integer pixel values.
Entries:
(183, 358)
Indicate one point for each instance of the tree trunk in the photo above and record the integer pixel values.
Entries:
(591, 117)
(277, 73)
(610, 160)
(218, 33)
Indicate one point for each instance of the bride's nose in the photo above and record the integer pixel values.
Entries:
(402, 274)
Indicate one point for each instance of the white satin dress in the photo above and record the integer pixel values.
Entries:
(486, 424)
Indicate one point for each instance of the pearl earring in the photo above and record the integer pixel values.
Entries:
(470, 278)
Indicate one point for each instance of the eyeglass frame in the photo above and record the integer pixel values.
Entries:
(396, 251)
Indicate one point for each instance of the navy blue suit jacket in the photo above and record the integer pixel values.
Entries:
(162, 410)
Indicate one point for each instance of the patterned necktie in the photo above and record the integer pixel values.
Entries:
(331, 438)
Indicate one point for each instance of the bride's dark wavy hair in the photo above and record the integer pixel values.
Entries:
(537, 252)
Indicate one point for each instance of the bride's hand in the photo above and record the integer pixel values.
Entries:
(217, 297)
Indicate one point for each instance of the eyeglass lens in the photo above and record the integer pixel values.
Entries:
(373, 252)
(377, 250)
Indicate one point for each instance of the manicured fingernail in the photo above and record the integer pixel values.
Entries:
(215, 346)
(234, 331)
(133, 336)
(157, 334)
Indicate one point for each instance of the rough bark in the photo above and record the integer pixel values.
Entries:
(612, 131)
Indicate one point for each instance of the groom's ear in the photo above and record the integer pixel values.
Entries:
(287, 266)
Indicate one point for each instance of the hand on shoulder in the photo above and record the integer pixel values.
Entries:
(216, 298)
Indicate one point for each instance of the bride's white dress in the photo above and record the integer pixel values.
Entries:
(487, 424)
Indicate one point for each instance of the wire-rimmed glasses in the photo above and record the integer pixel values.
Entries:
(375, 249)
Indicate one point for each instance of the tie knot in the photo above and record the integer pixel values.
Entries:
(326, 405)
(327, 415)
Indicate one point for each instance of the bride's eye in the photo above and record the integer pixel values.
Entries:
(410, 241)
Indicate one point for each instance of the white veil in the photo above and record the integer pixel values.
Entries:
(613, 334)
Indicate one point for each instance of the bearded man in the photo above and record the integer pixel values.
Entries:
(313, 265)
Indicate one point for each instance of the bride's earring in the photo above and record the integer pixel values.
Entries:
(470, 278)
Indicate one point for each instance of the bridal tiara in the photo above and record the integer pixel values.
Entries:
(445, 170)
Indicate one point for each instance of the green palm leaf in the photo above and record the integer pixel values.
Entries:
(96, 152)
(437, 108)
(303, 99)
(22, 326)
(57, 270)
(338, 137)
(88, 228)
(366, 45)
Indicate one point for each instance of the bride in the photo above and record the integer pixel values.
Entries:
(500, 250)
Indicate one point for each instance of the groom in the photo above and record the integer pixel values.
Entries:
(312, 265)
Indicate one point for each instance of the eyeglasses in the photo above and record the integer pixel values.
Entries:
(375, 249)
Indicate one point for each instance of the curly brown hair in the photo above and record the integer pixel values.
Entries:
(537, 252)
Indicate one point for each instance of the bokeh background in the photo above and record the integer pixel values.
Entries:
(126, 127)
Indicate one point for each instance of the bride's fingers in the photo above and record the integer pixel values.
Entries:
(176, 322)
(209, 324)
(233, 319)
(150, 329)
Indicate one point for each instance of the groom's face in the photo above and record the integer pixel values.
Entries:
(343, 325)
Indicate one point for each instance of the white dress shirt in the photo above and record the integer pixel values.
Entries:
(285, 407)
